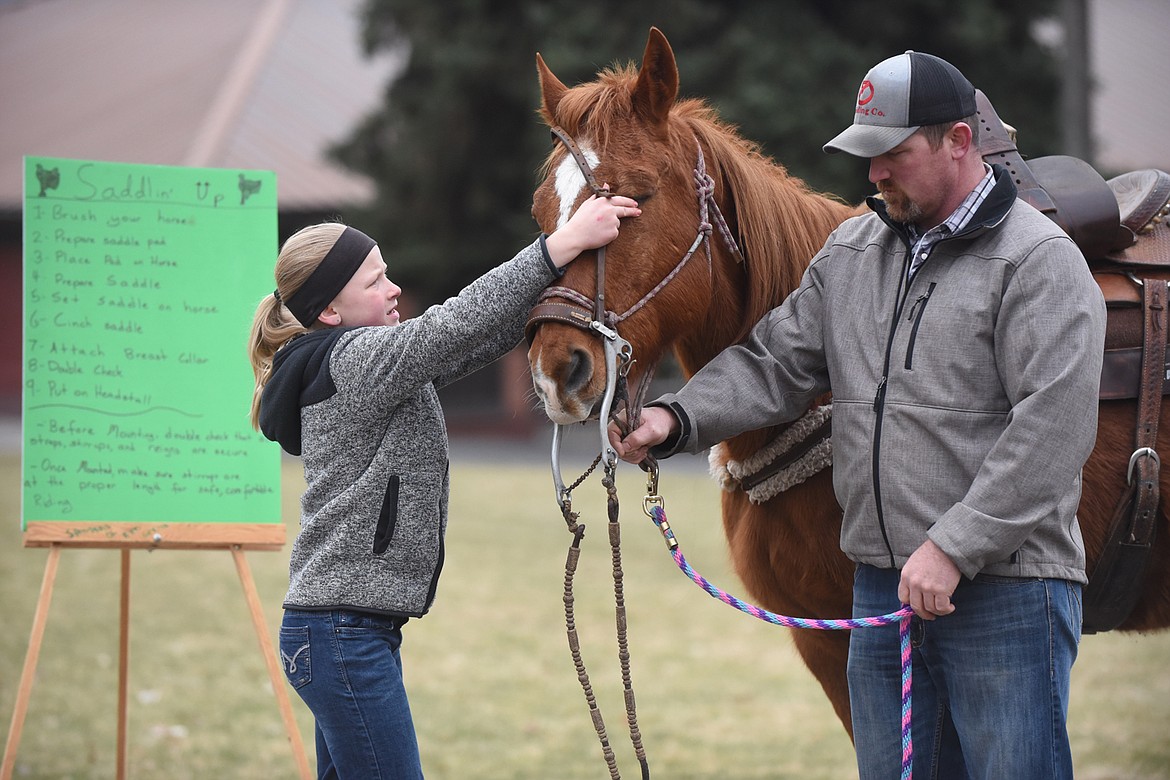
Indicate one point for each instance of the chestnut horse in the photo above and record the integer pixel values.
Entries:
(644, 142)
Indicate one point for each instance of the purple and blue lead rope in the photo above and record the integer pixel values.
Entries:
(901, 617)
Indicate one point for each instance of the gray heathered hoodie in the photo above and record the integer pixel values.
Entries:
(360, 407)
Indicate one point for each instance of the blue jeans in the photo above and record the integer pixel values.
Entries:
(345, 666)
(990, 681)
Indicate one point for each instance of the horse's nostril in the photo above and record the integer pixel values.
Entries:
(578, 371)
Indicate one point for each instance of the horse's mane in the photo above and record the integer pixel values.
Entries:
(779, 222)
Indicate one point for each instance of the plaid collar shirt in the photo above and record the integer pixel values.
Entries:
(924, 242)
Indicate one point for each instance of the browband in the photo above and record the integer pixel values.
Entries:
(339, 265)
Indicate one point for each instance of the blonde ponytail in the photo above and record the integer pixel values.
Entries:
(273, 325)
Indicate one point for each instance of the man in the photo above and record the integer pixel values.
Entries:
(961, 335)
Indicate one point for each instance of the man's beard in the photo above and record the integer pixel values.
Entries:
(901, 208)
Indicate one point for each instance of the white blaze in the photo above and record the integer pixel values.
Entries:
(570, 181)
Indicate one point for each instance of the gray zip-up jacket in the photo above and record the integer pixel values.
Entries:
(360, 406)
(964, 401)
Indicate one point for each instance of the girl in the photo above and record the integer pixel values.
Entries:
(342, 384)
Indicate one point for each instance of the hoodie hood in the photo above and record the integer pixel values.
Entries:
(300, 377)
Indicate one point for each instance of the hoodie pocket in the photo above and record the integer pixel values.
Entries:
(388, 517)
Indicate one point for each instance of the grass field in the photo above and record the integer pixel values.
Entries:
(494, 693)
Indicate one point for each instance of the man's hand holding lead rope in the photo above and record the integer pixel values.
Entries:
(928, 580)
(656, 425)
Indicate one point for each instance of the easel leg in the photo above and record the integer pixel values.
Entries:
(275, 674)
(123, 664)
(24, 691)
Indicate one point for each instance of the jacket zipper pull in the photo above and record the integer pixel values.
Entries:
(914, 308)
(881, 391)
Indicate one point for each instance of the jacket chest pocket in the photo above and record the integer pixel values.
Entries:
(387, 517)
(917, 310)
(947, 340)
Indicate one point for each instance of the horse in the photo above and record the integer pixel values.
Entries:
(641, 139)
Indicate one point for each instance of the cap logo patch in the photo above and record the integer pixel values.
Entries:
(865, 94)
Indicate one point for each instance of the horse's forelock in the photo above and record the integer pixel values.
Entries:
(591, 110)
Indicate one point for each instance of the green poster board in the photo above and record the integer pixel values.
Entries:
(140, 283)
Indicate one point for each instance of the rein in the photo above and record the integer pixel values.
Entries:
(571, 560)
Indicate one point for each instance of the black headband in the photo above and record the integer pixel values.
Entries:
(335, 270)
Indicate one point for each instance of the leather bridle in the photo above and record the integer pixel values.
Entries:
(566, 305)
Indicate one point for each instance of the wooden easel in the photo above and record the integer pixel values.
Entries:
(126, 537)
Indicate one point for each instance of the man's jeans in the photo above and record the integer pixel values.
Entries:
(990, 686)
(346, 667)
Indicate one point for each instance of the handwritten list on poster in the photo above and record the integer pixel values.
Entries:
(139, 287)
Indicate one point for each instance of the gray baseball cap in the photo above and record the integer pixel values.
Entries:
(900, 95)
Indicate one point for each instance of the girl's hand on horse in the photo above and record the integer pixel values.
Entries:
(593, 225)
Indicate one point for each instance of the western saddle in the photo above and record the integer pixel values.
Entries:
(1122, 228)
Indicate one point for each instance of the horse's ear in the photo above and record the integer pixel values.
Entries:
(551, 91)
(657, 85)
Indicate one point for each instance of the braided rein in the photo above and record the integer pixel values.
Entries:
(573, 557)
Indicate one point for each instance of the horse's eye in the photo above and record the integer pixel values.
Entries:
(642, 195)
(640, 191)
